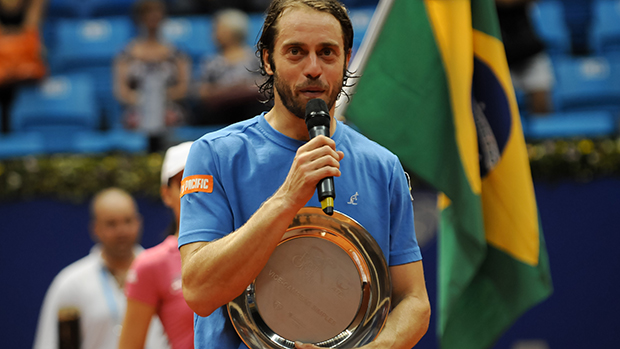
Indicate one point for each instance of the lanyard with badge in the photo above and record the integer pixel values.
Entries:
(111, 301)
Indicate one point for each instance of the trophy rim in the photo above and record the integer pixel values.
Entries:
(375, 281)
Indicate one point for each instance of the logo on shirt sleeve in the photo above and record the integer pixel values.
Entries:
(197, 183)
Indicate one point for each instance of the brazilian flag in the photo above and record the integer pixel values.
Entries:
(435, 89)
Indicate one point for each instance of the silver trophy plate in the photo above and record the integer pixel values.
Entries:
(326, 283)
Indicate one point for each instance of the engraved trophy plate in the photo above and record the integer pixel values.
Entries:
(326, 283)
(313, 277)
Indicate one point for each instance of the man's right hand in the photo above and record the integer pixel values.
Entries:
(314, 161)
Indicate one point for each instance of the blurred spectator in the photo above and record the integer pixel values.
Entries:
(21, 50)
(228, 82)
(151, 77)
(154, 280)
(530, 67)
(92, 287)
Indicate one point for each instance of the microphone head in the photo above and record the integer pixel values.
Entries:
(317, 113)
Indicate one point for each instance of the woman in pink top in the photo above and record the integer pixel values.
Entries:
(153, 284)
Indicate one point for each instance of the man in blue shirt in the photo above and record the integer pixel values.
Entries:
(244, 184)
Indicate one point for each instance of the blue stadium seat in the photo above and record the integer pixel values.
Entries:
(191, 35)
(605, 33)
(549, 22)
(89, 47)
(571, 124)
(521, 97)
(56, 10)
(56, 109)
(60, 115)
(66, 101)
(112, 140)
(110, 109)
(254, 28)
(48, 34)
(86, 9)
(360, 19)
(578, 15)
(108, 8)
(591, 83)
(64, 8)
(87, 43)
(128, 141)
(14, 145)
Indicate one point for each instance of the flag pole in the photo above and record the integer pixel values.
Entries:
(361, 57)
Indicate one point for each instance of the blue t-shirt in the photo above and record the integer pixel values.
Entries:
(248, 161)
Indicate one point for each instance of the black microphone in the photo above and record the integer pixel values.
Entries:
(317, 121)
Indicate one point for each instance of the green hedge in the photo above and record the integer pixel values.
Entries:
(580, 160)
(78, 177)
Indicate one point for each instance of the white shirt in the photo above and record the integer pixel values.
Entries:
(89, 286)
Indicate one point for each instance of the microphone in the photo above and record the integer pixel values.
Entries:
(317, 121)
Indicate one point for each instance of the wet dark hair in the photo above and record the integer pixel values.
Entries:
(270, 31)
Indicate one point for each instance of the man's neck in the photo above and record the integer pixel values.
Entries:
(118, 266)
(283, 121)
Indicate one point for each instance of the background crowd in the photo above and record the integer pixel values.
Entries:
(126, 65)
(191, 67)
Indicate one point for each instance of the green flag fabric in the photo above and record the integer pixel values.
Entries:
(435, 89)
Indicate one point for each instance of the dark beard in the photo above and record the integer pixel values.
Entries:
(286, 96)
(288, 100)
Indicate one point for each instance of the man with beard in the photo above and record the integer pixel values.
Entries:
(243, 185)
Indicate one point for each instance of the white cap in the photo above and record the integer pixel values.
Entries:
(174, 161)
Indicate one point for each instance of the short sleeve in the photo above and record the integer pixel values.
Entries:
(403, 243)
(205, 210)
